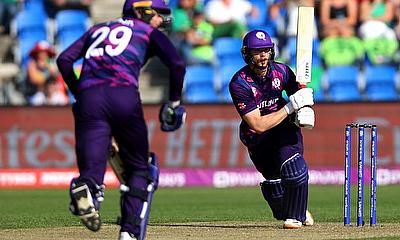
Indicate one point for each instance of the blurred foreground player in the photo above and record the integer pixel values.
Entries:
(270, 127)
(108, 104)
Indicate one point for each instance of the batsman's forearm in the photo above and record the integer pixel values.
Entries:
(271, 120)
(260, 123)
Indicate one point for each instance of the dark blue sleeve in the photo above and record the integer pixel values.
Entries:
(66, 59)
(242, 96)
(162, 47)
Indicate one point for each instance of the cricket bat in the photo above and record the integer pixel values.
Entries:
(304, 45)
(116, 162)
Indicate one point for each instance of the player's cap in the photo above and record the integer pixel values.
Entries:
(257, 39)
(158, 5)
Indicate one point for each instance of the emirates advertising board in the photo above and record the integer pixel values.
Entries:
(37, 146)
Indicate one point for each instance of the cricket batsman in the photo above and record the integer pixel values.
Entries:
(270, 127)
(108, 104)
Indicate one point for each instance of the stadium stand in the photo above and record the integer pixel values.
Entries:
(342, 83)
(381, 83)
(69, 25)
(34, 6)
(227, 48)
(199, 84)
(224, 77)
(289, 53)
(31, 25)
(261, 20)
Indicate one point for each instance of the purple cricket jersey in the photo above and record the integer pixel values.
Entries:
(108, 105)
(115, 51)
(107, 95)
(250, 91)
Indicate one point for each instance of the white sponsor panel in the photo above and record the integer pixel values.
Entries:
(222, 179)
(388, 176)
(172, 179)
(60, 178)
(50, 178)
(11, 179)
(326, 177)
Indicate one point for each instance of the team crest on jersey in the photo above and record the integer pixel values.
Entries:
(276, 84)
(241, 106)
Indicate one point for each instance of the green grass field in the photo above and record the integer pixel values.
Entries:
(49, 208)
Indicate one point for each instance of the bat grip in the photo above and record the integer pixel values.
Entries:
(303, 85)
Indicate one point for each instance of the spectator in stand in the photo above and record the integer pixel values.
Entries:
(199, 41)
(340, 44)
(229, 17)
(288, 24)
(379, 38)
(378, 10)
(198, 47)
(338, 17)
(55, 93)
(335, 51)
(193, 34)
(396, 6)
(41, 68)
(8, 10)
(183, 17)
(284, 13)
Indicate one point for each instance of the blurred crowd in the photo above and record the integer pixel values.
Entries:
(38, 32)
(359, 33)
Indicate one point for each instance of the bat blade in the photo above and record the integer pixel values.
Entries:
(304, 44)
(116, 163)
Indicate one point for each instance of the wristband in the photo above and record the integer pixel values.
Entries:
(289, 108)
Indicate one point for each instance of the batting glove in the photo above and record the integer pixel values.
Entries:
(305, 117)
(301, 98)
(172, 116)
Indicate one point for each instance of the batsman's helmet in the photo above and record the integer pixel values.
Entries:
(159, 5)
(147, 10)
(256, 39)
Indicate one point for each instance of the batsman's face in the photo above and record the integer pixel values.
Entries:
(261, 56)
(156, 20)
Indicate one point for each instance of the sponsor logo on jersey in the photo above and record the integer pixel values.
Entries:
(267, 103)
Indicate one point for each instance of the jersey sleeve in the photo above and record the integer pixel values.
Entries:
(65, 61)
(162, 47)
(242, 96)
